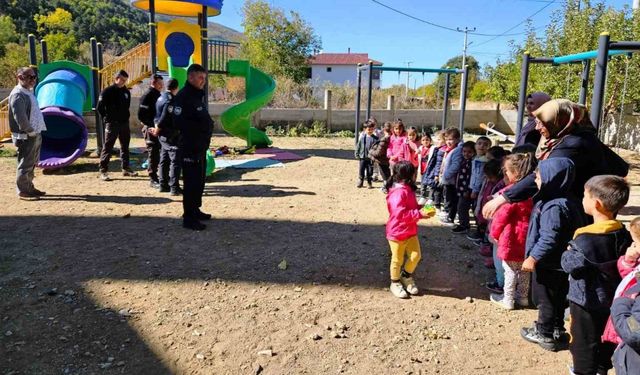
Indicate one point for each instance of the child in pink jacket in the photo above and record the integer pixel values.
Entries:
(628, 266)
(509, 228)
(402, 229)
(397, 143)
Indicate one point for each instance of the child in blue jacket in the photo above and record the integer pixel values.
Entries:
(554, 219)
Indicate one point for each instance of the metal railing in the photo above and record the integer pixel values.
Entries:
(220, 52)
(135, 62)
(5, 131)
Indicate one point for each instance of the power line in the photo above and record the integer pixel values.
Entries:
(518, 24)
(451, 28)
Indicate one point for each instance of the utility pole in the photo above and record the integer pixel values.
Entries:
(464, 56)
(406, 87)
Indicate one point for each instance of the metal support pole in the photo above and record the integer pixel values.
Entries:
(369, 89)
(100, 64)
(522, 97)
(599, 80)
(45, 54)
(445, 106)
(358, 98)
(33, 61)
(152, 35)
(95, 66)
(204, 49)
(463, 96)
(584, 88)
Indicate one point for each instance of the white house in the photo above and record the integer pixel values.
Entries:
(340, 69)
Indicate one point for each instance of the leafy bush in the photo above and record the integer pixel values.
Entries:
(318, 129)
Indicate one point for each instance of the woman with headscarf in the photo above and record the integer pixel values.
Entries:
(569, 133)
(528, 133)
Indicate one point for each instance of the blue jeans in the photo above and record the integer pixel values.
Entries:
(499, 269)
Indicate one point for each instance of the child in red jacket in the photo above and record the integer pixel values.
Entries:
(509, 228)
(402, 229)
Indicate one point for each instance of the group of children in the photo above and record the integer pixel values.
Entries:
(545, 244)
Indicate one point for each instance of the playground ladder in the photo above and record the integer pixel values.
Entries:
(135, 62)
(5, 131)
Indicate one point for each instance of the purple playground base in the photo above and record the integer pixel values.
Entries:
(65, 139)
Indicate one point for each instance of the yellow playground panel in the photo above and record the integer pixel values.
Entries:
(167, 28)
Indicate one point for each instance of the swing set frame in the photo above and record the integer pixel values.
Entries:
(606, 49)
(447, 71)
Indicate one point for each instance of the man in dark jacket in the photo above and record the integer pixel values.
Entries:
(554, 219)
(169, 136)
(591, 262)
(113, 106)
(146, 114)
(191, 116)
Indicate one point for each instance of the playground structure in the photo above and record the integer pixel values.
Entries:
(66, 89)
(177, 44)
(370, 67)
(606, 49)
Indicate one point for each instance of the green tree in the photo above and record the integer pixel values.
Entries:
(16, 56)
(480, 91)
(277, 43)
(56, 28)
(574, 29)
(456, 62)
(7, 33)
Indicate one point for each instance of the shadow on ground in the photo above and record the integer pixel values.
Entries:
(45, 252)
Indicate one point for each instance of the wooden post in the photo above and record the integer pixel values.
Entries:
(327, 107)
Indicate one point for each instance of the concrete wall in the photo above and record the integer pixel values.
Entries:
(345, 119)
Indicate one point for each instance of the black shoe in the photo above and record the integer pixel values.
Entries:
(128, 172)
(459, 229)
(193, 224)
(202, 216)
(531, 334)
(176, 191)
(369, 185)
(164, 189)
(360, 183)
(475, 236)
(154, 184)
(494, 287)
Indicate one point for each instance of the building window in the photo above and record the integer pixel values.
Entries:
(328, 69)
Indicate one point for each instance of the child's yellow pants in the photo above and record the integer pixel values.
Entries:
(409, 247)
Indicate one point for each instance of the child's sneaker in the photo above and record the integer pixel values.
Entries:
(498, 299)
(459, 229)
(409, 285)
(531, 334)
(475, 236)
(360, 184)
(522, 302)
(494, 287)
(398, 290)
(486, 250)
(446, 221)
(422, 201)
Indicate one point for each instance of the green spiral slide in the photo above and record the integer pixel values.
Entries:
(259, 88)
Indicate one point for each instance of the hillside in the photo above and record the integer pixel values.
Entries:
(115, 23)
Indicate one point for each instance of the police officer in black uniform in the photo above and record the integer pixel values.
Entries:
(113, 106)
(169, 136)
(146, 115)
(191, 116)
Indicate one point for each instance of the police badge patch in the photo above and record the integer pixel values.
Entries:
(177, 111)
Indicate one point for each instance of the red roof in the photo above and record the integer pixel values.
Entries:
(341, 59)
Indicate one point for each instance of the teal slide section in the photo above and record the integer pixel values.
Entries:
(260, 89)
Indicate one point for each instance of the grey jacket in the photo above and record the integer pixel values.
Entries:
(20, 112)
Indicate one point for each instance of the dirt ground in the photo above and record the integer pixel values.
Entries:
(99, 278)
